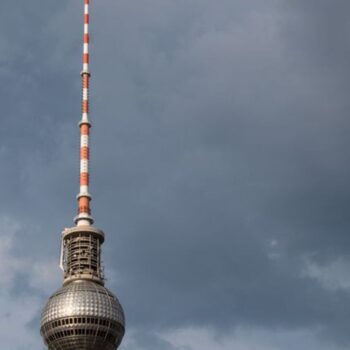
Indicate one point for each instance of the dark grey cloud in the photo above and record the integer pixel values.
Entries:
(220, 167)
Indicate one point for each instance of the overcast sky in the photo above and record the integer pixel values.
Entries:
(220, 167)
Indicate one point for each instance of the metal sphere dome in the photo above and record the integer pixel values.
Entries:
(82, 315)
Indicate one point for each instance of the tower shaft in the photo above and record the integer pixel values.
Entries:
(83, 314)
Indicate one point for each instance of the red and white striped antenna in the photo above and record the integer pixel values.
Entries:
(84, 212)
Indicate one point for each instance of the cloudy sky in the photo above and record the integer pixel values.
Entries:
(221, 170)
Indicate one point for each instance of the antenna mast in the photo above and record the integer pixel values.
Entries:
(84, 212)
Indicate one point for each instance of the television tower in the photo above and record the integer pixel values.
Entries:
(83, 314)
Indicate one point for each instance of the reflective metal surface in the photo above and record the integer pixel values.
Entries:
(82, 315)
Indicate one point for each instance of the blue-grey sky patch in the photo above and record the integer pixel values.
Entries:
(219, 167)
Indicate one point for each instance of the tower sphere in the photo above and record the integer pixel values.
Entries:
(82, 315)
